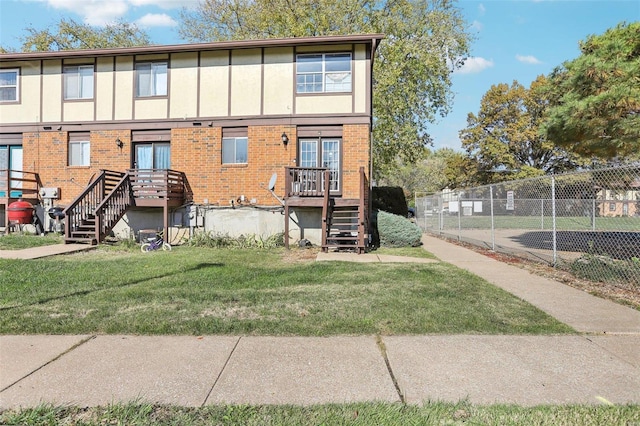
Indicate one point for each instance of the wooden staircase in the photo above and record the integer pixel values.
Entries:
(345, 222)
(94, 213)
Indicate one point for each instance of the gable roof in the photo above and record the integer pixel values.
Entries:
(369, 39)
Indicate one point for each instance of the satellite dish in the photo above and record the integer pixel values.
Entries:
(272, 181)
(272, 185)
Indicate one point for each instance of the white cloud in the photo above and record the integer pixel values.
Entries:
(481, 9)
(156, 20)
(164, 4)
(102, 12)
(474, 65)
(477, 25)
(528, 59)
(93, 12)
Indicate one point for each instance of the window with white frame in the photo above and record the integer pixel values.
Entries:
(78, 82)
(151, 79)
(323, 73)
(235, 150)
(324, 152)
(9, 85)
(79, 149)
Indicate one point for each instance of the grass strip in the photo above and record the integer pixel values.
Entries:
(431, 413)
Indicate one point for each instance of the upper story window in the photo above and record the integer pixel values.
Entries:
(78, 82)
(9, 81)
(151, 79)
(323, 73)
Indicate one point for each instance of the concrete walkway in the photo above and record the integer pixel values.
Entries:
(582, 311)
(590, 368)
(44, 251)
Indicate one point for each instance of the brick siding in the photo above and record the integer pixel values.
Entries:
(197, 152)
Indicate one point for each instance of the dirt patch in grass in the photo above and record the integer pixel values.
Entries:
(300, 255)
(605, 290)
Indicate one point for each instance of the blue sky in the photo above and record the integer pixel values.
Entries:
(515, 39)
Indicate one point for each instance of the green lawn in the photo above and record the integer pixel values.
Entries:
(195, 291)
(22, 241)
(432, 413)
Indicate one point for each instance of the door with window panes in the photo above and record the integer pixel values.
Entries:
(325, 153)
(151, 149)
(155, 155)
(11, 163)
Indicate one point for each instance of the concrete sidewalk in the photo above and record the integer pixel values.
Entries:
(196, 371)
(576, 308)
(601, 365)
(44, 251)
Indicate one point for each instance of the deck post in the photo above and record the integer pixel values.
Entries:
(286, 225)
(165, 209)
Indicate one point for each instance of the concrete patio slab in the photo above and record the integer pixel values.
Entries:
(576, 308)
(161, 369)
(525, 370)
(369, 258)
(304, 371)
(22, 355)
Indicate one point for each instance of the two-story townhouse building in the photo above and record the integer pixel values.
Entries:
(223, 136)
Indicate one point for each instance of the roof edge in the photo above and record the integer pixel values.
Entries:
(194, 47)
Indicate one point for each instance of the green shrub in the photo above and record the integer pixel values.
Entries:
(211, 240)
(390, 199)
(397, 231)
(600, 268)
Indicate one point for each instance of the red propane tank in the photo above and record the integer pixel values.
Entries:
(20, 212)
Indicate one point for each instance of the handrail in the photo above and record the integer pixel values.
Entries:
(113, 207)
(85, 204)
(325, 209)
(363, 211)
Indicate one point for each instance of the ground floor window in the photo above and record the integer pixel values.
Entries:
(79, 153)
(235, 150)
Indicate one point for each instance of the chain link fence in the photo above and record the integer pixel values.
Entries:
(585, 222)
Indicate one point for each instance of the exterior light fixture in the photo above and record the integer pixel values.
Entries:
(119, 143)
(285, 139)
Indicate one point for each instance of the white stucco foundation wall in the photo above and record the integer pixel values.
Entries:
(304, 223)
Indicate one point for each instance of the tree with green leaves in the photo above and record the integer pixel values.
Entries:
(70, 35)
(504, 139)
(425, 41)
(595, 98)
(424, 175)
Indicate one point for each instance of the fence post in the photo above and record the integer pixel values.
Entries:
(493, 235)
(459, 218)
(593, 214)
(542, 214)
(553, 215)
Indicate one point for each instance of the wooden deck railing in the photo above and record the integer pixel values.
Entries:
(304, 181)
(19, 184)
(159, 183)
